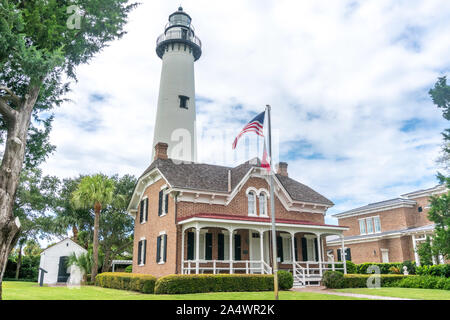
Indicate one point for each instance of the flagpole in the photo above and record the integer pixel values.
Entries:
(272, 210)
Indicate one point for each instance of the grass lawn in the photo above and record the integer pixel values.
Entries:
(31, 291)
(409, 293)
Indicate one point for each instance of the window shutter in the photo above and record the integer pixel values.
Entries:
(139, 252)
(160, 203)
(316, 247)
(146, 209)
(338, 254)
(237, 247)
(280, 248)
(166, 203)
(296, 248)
(158, 249)
(165, 248)
(208, 246)
(145, 251)
(304, 250)
(220, 246)
(141, 212)
(348, 254)
(190, 246)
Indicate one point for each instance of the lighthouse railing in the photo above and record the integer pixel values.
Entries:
(178, 35)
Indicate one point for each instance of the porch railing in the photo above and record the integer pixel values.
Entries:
(225, 266)
(314, 268)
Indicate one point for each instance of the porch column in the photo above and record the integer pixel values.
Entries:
(197, 249)
(416, 255)
(231, 249)
(261, 248)
(293, 252)
(182, 250)
(343, 255)
(319, 249)
(441, 259)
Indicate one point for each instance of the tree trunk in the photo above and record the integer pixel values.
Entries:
(19, 263)
(75, 233)
(97, 209)
(18, 122)
(107, 262)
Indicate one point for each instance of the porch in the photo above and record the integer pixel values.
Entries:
(218, 245)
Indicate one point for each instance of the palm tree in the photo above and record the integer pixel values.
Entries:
(94, 192)
(83, 262)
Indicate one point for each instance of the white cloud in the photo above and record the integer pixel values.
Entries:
(342, 78)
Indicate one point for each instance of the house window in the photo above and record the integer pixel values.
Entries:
(420, 209)
(362, 226)
(143, 211)
(377, 223)
(251, 203)
(184, 102)
(161, 249)
(369, 223)
(142, 251)
(163, 202)
(263, 204)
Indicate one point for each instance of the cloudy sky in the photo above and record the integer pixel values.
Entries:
(347, 80)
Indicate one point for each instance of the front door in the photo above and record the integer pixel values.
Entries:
(63, 275)
(255, 251)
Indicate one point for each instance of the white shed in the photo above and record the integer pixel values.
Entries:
(53, 260)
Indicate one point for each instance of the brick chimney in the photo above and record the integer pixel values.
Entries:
(282, 169)
(161, 151)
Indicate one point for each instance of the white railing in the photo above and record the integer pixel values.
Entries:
(299, 273)
(312, 268)
(227, 266)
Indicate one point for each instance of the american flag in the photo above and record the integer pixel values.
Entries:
(265, 162)
(256, 126)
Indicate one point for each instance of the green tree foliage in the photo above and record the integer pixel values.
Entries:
(425, 253)
(94, 192)
(41, 44)
(440, 205)
(84, 261)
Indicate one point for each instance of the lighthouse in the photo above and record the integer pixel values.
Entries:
(179, 48)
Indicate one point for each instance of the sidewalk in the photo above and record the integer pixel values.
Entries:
(324, 290)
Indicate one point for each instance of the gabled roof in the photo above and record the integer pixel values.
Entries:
(59, 242)
(213, 178)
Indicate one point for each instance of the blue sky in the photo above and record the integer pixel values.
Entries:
(348, 83)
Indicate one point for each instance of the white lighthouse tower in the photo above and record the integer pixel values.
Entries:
(179, 48)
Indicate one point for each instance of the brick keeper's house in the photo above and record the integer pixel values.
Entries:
(387, 231)
(193, 218)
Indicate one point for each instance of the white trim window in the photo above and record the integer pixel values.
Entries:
(251, 195)
(362, 226)
(263, 204)
(377, 223)
(369, 222)
(142, 252)
(143, 211)
(161, 248)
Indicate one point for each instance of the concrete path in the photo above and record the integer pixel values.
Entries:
(324, 290)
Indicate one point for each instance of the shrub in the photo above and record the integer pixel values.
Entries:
(181, 284)
(442, 270)
(351, 267)
(129, 269)
(285, 280)
(395, 270)
(384, 267)
(333, 279)
(126, 281)
(424, 282)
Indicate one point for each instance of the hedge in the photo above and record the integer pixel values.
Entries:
(424, 282)
(336, 280)
(201, 283)
(126, 281)
(384, 267)
(441, 270)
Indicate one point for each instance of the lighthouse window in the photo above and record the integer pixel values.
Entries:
(184, 102)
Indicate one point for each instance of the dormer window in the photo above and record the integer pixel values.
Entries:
(251, 195)
(184, 102)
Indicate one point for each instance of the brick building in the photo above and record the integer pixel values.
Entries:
(200, 218)
(387, 231)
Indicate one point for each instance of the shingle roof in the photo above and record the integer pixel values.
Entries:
(375, 205)
(206, 177)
